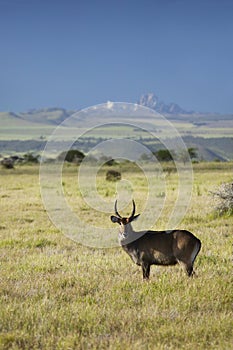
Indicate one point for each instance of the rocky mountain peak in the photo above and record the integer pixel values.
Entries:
(152, 101)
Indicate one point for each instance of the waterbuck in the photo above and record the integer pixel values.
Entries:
(148, 248)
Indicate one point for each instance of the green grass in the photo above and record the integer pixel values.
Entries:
(57, 294)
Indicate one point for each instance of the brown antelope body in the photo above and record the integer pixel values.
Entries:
(148, 248)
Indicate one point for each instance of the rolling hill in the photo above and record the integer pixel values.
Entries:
(211, 134)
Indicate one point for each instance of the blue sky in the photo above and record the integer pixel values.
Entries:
(74, 54)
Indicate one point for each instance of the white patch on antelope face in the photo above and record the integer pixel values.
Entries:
(125, 229)
(122, 236)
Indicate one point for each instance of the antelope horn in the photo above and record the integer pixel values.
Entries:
(133, 212)
(116, 212)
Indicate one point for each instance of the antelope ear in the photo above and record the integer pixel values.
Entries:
(135, 217)
(115, 219)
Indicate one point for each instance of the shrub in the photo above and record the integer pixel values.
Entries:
(31, 158)
(8, 163)
(113, 175)
(111, 162)
(224, 198)
(72, 156)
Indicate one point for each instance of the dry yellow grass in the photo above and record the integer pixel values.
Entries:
(57, 294)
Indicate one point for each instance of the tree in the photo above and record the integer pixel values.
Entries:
(164, 155)
(31, 158)
(72, 156)
(192, 152)
(185, 155)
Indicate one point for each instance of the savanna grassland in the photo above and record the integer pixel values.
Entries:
(58, 294)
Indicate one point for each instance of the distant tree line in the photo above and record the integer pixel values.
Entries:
(165, 155)
(9, 162)
(208, 148)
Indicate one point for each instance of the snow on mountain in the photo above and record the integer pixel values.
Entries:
(152, 101)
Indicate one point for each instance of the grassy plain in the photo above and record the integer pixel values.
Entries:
(28, 132)
(57, 294)
(41, 123)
